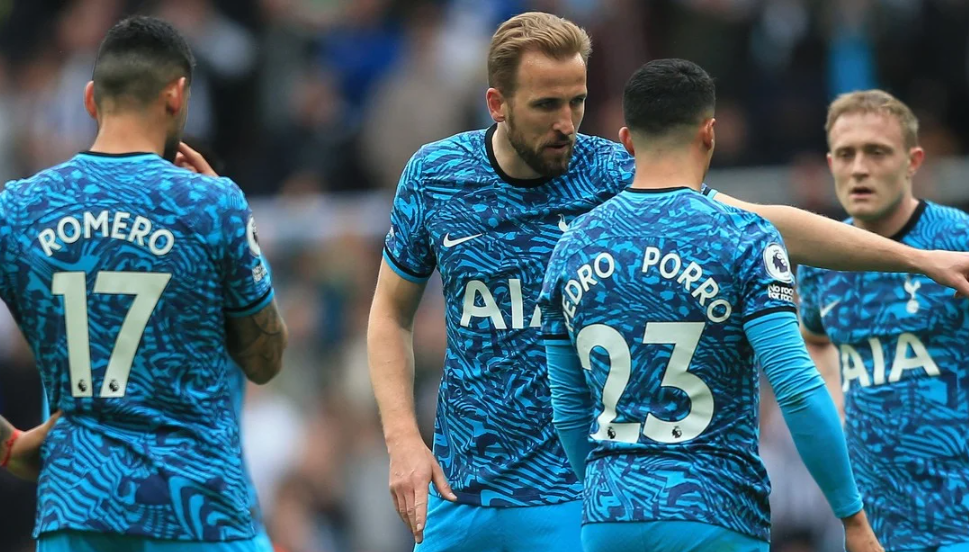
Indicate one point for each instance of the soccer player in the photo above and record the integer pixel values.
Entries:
(192, 159)
(135, 281)
(485, 208)
(665, 297)
(903, 340)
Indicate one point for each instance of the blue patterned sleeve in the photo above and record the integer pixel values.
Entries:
(550, 301)
(7, 251)
(810, 310)
(407, 247)
(247, 282)
(955, 237)
(765, 269)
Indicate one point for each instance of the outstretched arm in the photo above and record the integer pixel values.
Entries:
(815, 240)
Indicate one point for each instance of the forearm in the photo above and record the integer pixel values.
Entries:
(815, 240)
(571, 403)
(807, 407)
(825, 357)
(391, 355)
(816, 429)
(7, 431)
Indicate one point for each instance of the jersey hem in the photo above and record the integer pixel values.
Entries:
(38, 533)
(403, 271)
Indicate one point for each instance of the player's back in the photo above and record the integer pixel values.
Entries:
(656, 287)
(116, 270)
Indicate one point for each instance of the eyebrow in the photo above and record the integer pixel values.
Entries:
(557, 98)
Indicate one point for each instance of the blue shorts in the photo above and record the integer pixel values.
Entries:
(84, 541)
(666, 536)
(462, 527)
(964, 547)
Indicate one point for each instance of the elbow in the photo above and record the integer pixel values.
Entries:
(263, 368)
(263, 374)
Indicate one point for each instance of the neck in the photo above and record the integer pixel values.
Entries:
(668, 168)
(508, 159)
(129, 133)
(892, 223)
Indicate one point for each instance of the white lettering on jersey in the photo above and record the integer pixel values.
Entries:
(670, 267)
(69, 230)
(853, 367)
(603, 266)
(489, 308)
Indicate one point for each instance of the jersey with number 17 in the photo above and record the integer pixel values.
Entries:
(654, 288)
(120, 271)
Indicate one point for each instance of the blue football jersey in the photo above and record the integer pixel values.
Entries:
(904, 347)
(653, 289)
(120, 271)
(490, 237)
(237, 389)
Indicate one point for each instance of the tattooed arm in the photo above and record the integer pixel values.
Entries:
(256, 343)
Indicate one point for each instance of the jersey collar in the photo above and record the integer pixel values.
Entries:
(912, 221)
(117, 155)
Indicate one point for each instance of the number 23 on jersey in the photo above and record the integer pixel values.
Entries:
(684, 336)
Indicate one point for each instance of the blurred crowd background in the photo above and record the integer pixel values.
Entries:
(314, 106)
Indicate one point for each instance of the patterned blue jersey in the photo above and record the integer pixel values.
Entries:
(120, 271)
(237, 389)
(904, 347)
(490, 237)
(653, 288)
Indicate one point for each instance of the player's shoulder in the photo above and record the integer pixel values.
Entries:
(936, 226)
(180, 182)
(741, 221)
(464, 151)
(945, 214)
(39, 181)
(597, 144)
(589, 150)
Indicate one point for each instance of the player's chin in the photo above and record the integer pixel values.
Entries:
(557, 161)
(863, 210)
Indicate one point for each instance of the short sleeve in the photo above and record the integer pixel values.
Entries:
(407, 247)
(956, 236)
(554, 325)
(768, 281)
(247, 282)
(808, 279)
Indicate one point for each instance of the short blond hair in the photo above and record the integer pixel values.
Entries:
(875, 101)
(549, 34)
